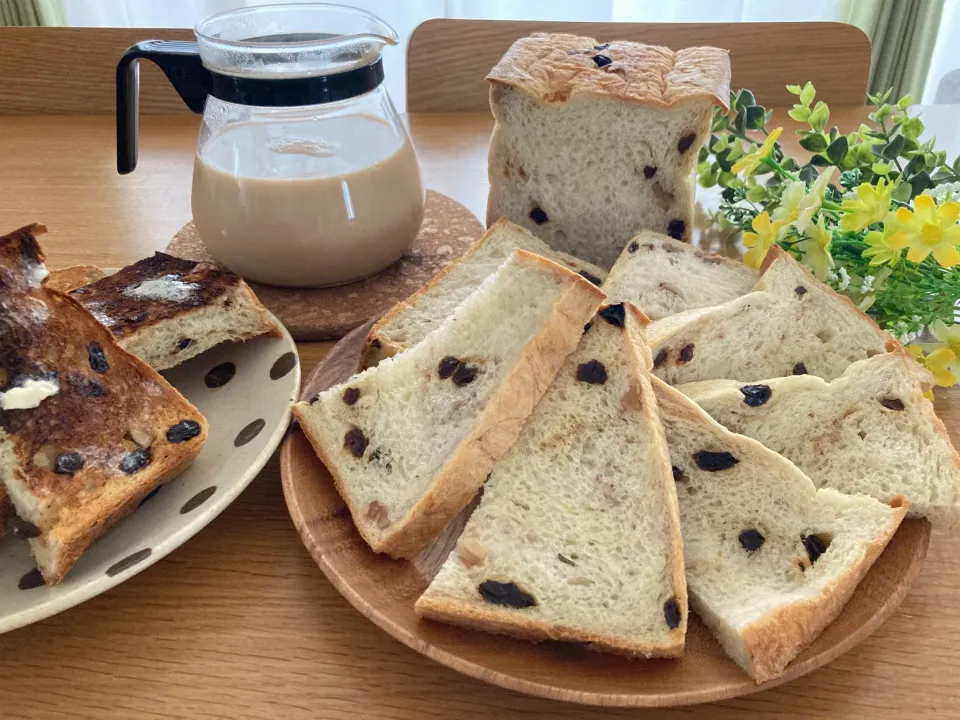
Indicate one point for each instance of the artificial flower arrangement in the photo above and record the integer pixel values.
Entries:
(874, 213)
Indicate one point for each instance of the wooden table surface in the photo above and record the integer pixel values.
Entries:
(240, 622)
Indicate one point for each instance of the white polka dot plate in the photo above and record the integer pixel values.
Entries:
(245, 391)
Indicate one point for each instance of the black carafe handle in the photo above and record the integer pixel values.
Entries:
(180, 62)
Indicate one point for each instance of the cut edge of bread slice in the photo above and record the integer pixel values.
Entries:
(691, 279)
(450, 596)
(496, 425)
(380, 341)
(764, 646)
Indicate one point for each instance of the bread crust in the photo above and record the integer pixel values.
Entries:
(555, 67)
(496, 428)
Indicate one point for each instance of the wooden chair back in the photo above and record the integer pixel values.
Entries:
(72, 71)
(447, 60)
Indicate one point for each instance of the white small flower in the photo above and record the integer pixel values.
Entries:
(867, 284)
(844, 279)
(946, 192)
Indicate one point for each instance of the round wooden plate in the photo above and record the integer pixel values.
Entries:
(385, 591)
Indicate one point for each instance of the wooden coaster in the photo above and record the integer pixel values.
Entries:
(330, 313)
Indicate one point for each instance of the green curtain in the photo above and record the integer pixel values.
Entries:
(903, 34)
(32, 12)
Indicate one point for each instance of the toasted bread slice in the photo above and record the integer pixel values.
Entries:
(577, 536)
(663, 276)
(870, 431)
(410, 441)
(166, 310)
(792, 324)
(411, 320)
(771, 561)
(70, 278)
(87, 430)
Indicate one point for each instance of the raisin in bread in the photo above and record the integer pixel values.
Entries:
(410, 441)
(663, 276)
(86, 429)
(414, 318)
(594, 143)
(870, 431)
(577, 536)
(166, 310)
(70, 278)
(771, 561)
(792, 324)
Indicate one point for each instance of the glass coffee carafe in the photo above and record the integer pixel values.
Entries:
(304, 174)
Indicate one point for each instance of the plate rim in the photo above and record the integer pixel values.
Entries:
(537, 689)
(55, 605)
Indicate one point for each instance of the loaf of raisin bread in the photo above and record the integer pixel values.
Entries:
(410, 441)
(771, 561)
(792, 324)
(166, 310)
(577, 536)
(70, 278)
(86, 429)
(870, 431)
(411, 320)
(595, 142)
(663, 276)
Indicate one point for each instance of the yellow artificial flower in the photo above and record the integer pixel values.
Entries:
(869, 205)
(929, 230)
(816, 249)
(751, 161)
(880, 251)
(949, 336)
(936, 363)
(759, 241)
(797, 206)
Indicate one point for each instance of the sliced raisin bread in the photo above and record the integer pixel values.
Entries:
(594, 143)
(771, 561)
(577, 536)
(70, 278)
(410, 441)
(663, 276)
(86, 429)
(414, 318)
(166, 310)
(870, 431)
(791, 324)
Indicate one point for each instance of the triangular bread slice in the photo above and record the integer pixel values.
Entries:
(577, 536)
(792, 324)
(411, 320)
(771, 561)
(410, 441)
(166, 310)
(663, 276)
(870, 431)
(86, 429)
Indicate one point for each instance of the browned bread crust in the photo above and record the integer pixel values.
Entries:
(113, 431)
(554, 67)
